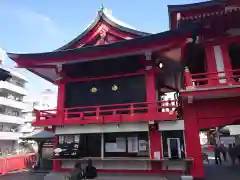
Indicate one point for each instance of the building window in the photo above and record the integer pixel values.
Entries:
(2, 110)
(126, 144)
(15, 113)
(20, 84)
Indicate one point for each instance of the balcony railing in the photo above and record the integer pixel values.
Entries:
(213, 79)
(10, 135)
(4, 118)
(12, 87)
(12, 103)
(146, 111)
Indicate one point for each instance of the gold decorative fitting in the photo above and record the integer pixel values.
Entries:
(114, 87)
(94, 89)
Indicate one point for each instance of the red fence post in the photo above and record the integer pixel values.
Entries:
(37, 114)
(188, 78)
(5, 167)
(131, 109)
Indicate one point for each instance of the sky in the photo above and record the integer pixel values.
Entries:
(29, 26)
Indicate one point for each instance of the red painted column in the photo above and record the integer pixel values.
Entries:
(188, 78)
(192, 140)
(154, 134)
(60, 115)
(61, 102)
(56, 163)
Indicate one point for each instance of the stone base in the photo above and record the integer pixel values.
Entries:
(109, 176)
(55, 176)
(185, 177)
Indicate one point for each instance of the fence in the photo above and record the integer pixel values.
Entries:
(16, 163)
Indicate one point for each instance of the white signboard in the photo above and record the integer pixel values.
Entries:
(157, 155)
(110, 147)
(114, 147)
(133, 144)
(142, 145)
(121, 144)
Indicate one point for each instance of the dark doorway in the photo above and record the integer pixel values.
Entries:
(195, 60)
(90, 145)
(234, 53)
(171, 141)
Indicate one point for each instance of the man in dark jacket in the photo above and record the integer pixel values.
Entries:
(77, 173)
(90, 171)
(217, 154)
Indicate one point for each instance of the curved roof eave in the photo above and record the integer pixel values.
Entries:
(118, 45)
(110, 20)
(184, 7)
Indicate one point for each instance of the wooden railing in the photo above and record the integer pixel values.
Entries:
(45, 114)
(221, 78)
(158, 108)
(115, 109)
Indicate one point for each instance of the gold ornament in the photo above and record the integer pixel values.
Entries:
(94, 89)
(114, 87)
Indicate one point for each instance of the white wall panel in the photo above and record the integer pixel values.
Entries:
(171, 125)
(99, 128)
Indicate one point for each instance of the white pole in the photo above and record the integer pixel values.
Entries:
(102, 145)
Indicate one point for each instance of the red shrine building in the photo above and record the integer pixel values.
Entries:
(112, 83)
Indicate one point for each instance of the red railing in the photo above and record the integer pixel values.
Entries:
(221, 78)
(45, 114)
(159, 108)
(132, 108)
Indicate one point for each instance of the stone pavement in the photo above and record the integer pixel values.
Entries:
(23, 176)
(111, 176)
(213, 172)
(224, 172)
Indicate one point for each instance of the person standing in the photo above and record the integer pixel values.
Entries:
(223, 151)
(90, 171)
(217, 154)
(231, 153)
(77, 173)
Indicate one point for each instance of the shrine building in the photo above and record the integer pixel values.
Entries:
(113, 82)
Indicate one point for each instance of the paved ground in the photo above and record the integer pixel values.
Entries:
(112, 176)
(213, 172)
(225, 172)
(23, 176)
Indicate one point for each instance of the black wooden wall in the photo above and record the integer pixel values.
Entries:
(130, 89)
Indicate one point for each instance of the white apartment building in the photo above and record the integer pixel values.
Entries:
(47, 100)
(12, 93)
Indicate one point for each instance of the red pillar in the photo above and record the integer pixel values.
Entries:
(154, 134)
(192, 139)
(56, 163)
(188, 78)
(60, 102)
(60, 115)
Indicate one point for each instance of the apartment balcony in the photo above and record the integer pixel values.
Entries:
(10, 135)
(11, 119)
(12, 87)
(213, 85)
(117, 113)
(12, 103)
